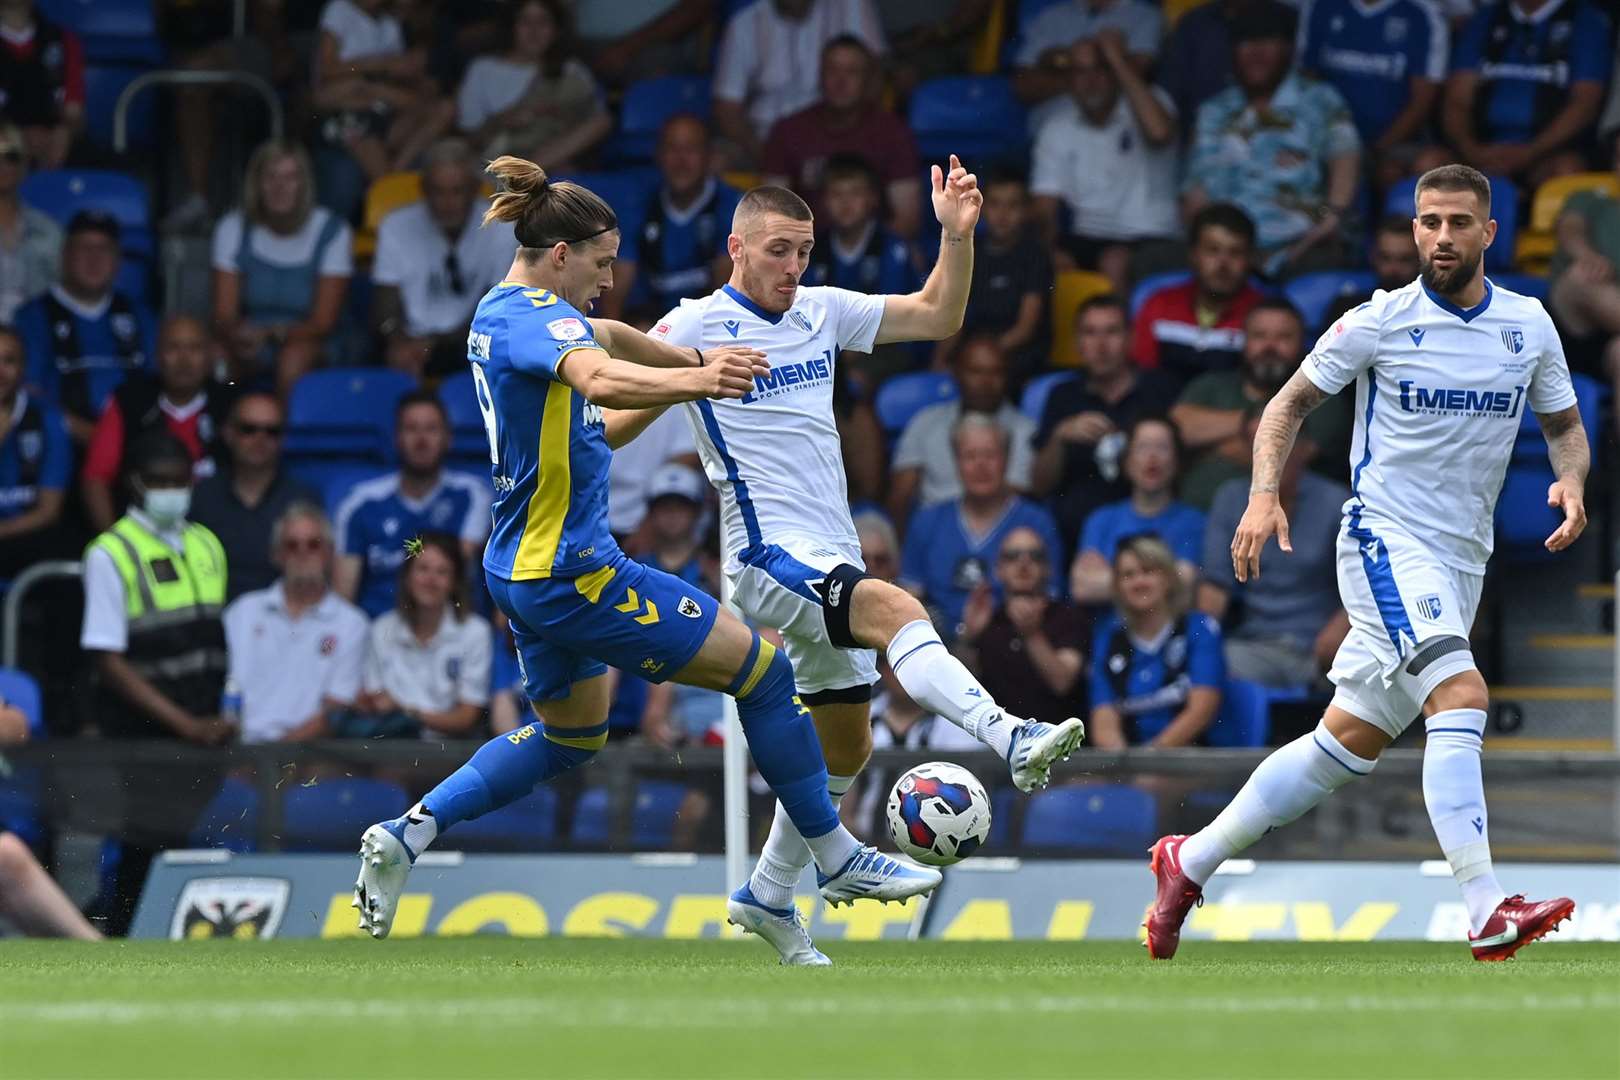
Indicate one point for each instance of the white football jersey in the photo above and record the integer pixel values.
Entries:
(1440, 394)
(775, 455)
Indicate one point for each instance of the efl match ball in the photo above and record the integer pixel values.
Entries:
(938, 813)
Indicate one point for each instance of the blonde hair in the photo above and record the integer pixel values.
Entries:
(545, 212)
(1156, 557)
(253, 181)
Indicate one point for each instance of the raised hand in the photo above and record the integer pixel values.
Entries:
(957, 198)
(1263, 518)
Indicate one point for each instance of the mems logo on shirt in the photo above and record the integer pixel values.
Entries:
(786, 378)
(1455, 401)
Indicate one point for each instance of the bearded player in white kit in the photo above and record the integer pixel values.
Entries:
(1442, 369)
(791, 553)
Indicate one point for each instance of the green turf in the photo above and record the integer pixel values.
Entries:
(502, 1007)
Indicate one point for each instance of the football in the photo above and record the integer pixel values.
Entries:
(939, 813)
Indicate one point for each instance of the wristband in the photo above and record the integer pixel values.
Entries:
(699, 352)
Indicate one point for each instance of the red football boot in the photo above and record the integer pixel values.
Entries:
(1517, 922)
(1177, 895)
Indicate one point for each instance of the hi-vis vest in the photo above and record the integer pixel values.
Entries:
(172, 601)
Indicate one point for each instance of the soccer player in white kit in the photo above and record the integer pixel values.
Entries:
(1443, 369)
(791, 553)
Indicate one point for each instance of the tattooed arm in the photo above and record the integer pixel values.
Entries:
(1571, 457)
(1273, 440)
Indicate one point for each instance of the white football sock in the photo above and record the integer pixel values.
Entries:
(1289, 782)
(785, 855)
(940, 683)
(1454, 792)
(421, 829)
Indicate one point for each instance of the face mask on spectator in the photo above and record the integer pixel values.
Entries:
(166, 506)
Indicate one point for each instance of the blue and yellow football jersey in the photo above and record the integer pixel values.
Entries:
(547, 444)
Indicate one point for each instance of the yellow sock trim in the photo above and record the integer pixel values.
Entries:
(767, 652)
(590, 585)
(588, 742)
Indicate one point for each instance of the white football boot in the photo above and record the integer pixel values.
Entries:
(781, 927)
(1036, 746)
(871, 875)
(385, 863)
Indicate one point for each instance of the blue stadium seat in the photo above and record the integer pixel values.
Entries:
(903, 396)
(1102, 819)
(647, 105)
(230, 820)
(1153, 283)
(652, 821)
(1524, 284)
(345, 413)
(124, 30)
(330, 815)
(1003, 815)
(1400, 199)
(1038, 389)
(625, 190)
(102, 85)
(974, 116)
(1523, 518)
(22, 790)
(469, 442)
(1245, 716)
(525, 825)
(61, 193)
(1530, 448)
(1314, 293)
(334, 479)
(18, 689)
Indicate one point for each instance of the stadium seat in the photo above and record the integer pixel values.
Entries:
(1313, 294)
(330, 815)
(103, 83)
(625, 190)
(1003, 816)
(345, 413)
(652, 820)
(1175, 10)
(19, 690)
(647, 104)
(1245, 716)
(1401, 199)
(527, 824)
(61, 193)
(1039, 389)
(334, 479)
(1526, 284)
(1103, 819)
(974, 116)
(1523, 518)
(904, 396)
(1537, 241)
(22, 788)
(1153, 283)
(1531, 447)
(231, 818)
(123, 30)
(1071, 289)
(469, 442)
(385, 195)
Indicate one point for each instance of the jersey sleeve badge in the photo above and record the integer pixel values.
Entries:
(569, 329)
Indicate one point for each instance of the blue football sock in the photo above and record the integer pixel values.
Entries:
(783, 740)
(508, 767)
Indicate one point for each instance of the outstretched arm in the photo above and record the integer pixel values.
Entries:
(1571, 458)
(619, 384)
(936, 311)
(625, 342)
(1279, 426)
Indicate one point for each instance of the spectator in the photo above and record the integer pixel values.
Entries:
(378, 517)
(642, 39)
(880, 546)
(853, 250)
(1156, 669)
(1526, 84)
(1387, 61)
(1212, 412)
(680, 249)
(950, 545)
(925, 471)
(1152, 461)
(1029, 649)
(30, 242)
(41, 81)
(36, 463)
(1393, 260)
(1081, 437)
(245, 497)
(281, 269)
(1187, 329)
(435, 260)
(1585, 292)
(1107, 153)
(1291, 623)
(1041, 68)
(1196, 61)
(848, 121)
(84, 335)
(769, 61)
(630, 472)
(1279, 144)
(153, 586)
(378, 106)
(296, 625)
(536, 100)
(1012, 274)
(180, 399)
(428, 662)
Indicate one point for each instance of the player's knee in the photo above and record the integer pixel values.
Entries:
(576, 745)
(883, 609)
(1464, 690)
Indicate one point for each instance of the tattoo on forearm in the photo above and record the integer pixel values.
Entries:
(1566, 444)
(1279, 424)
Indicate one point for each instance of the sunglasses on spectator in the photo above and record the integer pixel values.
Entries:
(272, 430)
(1014, 554)
(308, 543)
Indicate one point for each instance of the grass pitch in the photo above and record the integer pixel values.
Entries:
(503, 1007)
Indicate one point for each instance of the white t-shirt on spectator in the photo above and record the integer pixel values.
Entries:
(450, 669)
(493, 83)
(106, 613)
(295, 249)
(1116, 184)
(285, 667)
(925, 444)
(360, 36)
(411, 254)
(631, 469)
(774, 64)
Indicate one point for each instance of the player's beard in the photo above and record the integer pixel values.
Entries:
(1447, 282)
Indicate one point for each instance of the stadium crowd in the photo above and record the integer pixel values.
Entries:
(1178, 199)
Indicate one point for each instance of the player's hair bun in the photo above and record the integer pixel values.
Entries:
(524, 183)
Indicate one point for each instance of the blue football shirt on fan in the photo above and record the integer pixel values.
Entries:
(673, 249)
(946, 562)
(1148, 682)
(376, 520)
(35, 455)
(1371, 52)
(1179, 526)
(1527, 64)
(881, 266)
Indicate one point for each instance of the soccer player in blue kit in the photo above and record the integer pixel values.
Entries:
(551, 384)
